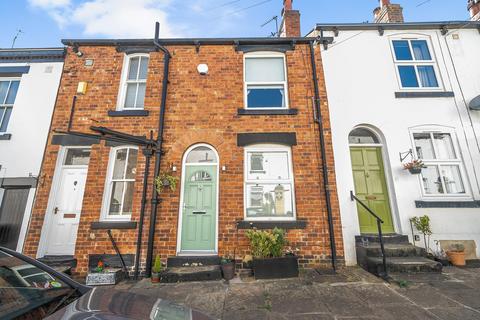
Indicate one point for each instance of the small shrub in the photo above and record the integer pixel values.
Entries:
(157, 265)
(422, 224)
(456, 247)
(266, 244)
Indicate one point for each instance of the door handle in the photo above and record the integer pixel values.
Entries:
(371, 197)
(55, 211)
(199, 212)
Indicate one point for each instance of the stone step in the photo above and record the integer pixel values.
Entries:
(60, 263)
(391, 250)
(403, 265)
(188, 261)
(387, 238)
(187, 274)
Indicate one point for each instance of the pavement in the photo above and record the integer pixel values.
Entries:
(352, 293)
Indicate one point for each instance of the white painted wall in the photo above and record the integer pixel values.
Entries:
(361, 81)
(22, 155)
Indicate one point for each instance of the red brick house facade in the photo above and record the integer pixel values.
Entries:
(93, 180)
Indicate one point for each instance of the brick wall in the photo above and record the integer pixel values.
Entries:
(200, 109)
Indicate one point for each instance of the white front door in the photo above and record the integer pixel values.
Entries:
(66, 211)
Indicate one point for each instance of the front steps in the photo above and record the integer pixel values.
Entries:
(186, 269)
(60, 263)
(402, 257)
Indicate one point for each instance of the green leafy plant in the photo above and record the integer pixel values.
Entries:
(157, 265)
(225, 260)
(266, 244)
(165, 180)
(456, 247)
(422, 224)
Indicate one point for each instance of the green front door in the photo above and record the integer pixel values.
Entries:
(199, 208)
(371, 188)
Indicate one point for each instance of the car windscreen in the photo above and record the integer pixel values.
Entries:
(24, 287)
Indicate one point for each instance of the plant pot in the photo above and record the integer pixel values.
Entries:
(228, 270)
(275, 268)
(457, 258)
(415, 170)
(155, 277)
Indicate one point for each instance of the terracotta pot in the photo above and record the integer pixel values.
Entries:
(457, 258)
(155, 277)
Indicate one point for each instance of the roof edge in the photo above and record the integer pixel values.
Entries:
(467, 24)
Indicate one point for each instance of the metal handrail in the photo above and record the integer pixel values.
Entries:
(380, 234)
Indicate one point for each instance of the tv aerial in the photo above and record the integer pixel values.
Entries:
(275, 18)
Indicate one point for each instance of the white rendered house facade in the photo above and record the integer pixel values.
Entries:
(29, 80)
(399, 92)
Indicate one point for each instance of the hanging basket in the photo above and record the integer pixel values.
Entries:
(415, 170)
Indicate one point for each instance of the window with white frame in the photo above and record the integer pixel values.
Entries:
(134, 82)
(118, 203)
(265, 79)
(415, 63)
(269, 186)
(443, 174)
(8, 93)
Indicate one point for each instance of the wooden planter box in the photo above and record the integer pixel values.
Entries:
(107, 277)
(275, 268)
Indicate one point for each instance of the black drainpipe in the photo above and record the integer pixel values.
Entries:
(158, 151)
(148, 153)
(326, 185)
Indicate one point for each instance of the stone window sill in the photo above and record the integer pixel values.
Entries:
(252, 112)
(128, 113)
(447, 204)
(425, 94)
(297, 224)
(118, 225)
(5, 136)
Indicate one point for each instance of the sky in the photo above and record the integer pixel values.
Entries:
(43, 23)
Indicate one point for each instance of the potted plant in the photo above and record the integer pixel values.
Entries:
(228, 268)
(269, 260)
(456, 254)
(156, 269)
(165, 180)
(415, 166)
(422, 224)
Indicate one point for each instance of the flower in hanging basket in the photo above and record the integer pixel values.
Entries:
(165, 180)
(415, 166)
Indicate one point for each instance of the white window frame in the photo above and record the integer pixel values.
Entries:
(122, 94)
(265, 54)
(2, 105)
(438, 162)
(269, 148)
(105, 216)
(416, 64)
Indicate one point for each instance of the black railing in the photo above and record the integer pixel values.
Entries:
(380, 234)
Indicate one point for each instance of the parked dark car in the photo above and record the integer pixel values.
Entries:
(30, 289)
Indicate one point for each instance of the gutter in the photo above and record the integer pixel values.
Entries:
(326, 185)
(158, 150)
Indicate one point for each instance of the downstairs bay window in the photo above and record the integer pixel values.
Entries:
(119, 188)
(269, 185)
(443, 175)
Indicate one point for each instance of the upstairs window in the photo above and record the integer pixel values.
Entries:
(269, 187)
(265, 81)
(118, 203)
(8, 93)
(415, 64)
(134, 81)
(443, 175)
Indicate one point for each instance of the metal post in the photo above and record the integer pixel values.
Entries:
(382, 247)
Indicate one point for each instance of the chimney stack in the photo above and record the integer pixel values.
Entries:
(389, 12)
(290, 26)
(474, 8)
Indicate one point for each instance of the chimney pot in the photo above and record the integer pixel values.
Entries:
(287, 5)
(290, 26)
(384, 3)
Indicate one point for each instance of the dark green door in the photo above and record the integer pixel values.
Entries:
(199, 208)
(371, 188)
